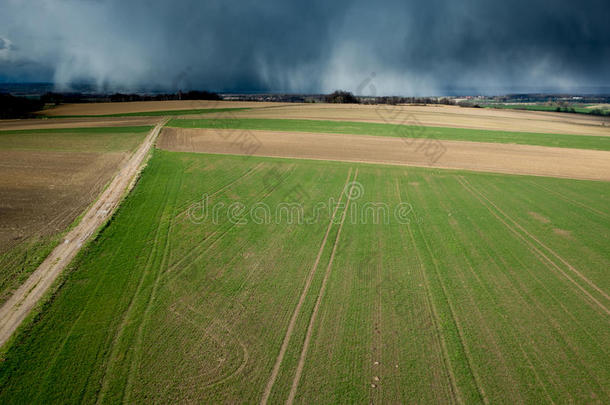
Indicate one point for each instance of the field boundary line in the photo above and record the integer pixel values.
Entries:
(535, 249)
(297, 309)
(314, 314)
(27, 296)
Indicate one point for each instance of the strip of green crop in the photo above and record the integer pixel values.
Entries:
(452, 303)
(405, 131)
(80, 130)
(97, 139)
(157, 113)
(541, 107)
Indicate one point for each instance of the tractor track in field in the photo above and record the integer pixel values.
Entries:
(297, 310)
(517, 285)
(432, 312)
(169, 271)
(548, 249)
(314, 314)
(570, 200)
(124, 320)
(149, 266)
(485, 329)
(245, 175)
(479, 196)
(457, 325)
(27, 296)
(165, 269)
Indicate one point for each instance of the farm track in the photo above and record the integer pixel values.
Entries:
(316, 308)
(25, 298)
(469, 285)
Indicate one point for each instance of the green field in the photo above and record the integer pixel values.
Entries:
(393, 130)
(96, 139)
(156, 113)
(490, 288)
(544, 107)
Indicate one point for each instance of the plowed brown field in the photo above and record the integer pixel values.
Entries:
(489, 157)
(12, 125)
(147, 106)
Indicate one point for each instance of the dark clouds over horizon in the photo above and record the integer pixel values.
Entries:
(413, 47)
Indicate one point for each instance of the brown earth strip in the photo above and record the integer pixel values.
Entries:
(148, 106)
(477, 156)
(14, 125)
(42, 191)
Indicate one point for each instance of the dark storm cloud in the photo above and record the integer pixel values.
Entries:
(413, 47)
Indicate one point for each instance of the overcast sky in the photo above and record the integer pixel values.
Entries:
(430, 47)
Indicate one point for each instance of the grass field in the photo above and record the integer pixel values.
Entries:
(543, 107)
(393, 130)
(96, 139)
(47, 178)
(488, 288)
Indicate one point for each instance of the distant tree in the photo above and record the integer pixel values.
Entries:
(18, 107)
(200, 95)
(52, 98)
(341, 97)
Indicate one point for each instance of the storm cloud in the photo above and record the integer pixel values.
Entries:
(431, 47)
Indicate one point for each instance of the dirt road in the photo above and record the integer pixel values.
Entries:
(478, 156)
(16, 308)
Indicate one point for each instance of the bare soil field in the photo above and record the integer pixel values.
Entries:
(42, 192)
(489, 157)
(46, 180)
(146, 106)
(12, 125)
(18, 306)
(449, 116)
